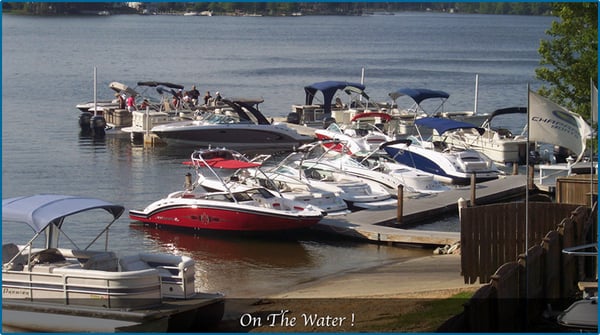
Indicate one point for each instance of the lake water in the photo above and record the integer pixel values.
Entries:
(47, 68)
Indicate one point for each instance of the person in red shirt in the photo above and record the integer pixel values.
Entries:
(131, 104)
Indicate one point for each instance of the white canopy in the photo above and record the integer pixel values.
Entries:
(38, 211)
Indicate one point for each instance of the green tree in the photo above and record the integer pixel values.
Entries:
(569, 59)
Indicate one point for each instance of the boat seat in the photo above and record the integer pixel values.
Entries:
(133, 263)
(440, 145)
(47, 256)
(9, 251)
(106, 261)
(504, 133)
(137, 263)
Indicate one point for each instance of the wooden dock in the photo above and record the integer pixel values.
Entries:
(381, 225)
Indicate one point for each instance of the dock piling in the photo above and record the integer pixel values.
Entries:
(530, 173)
(461, 203)
(399, 213)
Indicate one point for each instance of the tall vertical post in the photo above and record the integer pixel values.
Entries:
(400, 207)
(473, 187)
(476, 94)
(95, 90)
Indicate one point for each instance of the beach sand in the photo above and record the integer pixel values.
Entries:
(365, 300)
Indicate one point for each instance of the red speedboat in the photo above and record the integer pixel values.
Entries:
(245, 209)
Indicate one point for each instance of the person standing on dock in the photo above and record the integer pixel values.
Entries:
(194, 94)
(131, 104)
(207, 97)
(121, 100)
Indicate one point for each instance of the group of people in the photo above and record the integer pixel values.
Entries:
(193, 96)
(180, 99)
(129, 102)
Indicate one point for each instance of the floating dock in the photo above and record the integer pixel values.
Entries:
(382, 225)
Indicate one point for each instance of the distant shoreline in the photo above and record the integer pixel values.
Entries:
(270, 9)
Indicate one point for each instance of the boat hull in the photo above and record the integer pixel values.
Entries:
(503, 151)
(239, 137)
(438, 164)
(214, 218)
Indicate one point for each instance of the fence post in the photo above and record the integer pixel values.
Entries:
(473, 186)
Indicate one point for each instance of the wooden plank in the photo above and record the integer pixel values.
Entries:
(387, 234)
(368, 223)
(506, 282)
(481, 311)
(551, 246)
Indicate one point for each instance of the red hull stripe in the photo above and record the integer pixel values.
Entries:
(221, 163)
(220, 219)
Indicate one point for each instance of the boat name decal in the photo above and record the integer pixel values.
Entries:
(11, 292)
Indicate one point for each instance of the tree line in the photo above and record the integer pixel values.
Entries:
(281, 8)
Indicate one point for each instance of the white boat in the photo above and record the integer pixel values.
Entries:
(413, 180)
(158, 111)
(448, 163)
(240, 126)
(246, 209)
(78, 289)
(499, 144)
(102, 105)
(252, 176)
(358, 137)
(374, 167)
(356, 192)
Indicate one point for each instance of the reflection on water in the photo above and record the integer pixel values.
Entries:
(89, 141)
(254, 266)
(273, 251)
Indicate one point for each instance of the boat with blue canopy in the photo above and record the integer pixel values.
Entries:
(447, 162)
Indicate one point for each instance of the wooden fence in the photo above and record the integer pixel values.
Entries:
(577, 189)
(521, 289)
(492, 235)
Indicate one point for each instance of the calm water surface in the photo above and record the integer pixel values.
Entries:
(47, 68)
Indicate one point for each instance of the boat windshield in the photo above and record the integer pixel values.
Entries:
(215, 118)
(334, 128)
(414, 140)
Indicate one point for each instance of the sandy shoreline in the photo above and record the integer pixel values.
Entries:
(358, 300)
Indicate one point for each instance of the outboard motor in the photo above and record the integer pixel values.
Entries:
(293, 117)
(84, 122)
(328, 121)
(98, 125)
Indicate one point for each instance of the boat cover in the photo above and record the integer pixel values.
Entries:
(39, 211)
(442, 125)
(502, 111)
(159, 83)
(329, 88)
(222, 163)
(122, 88)
(383, 116)
(419, 94)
